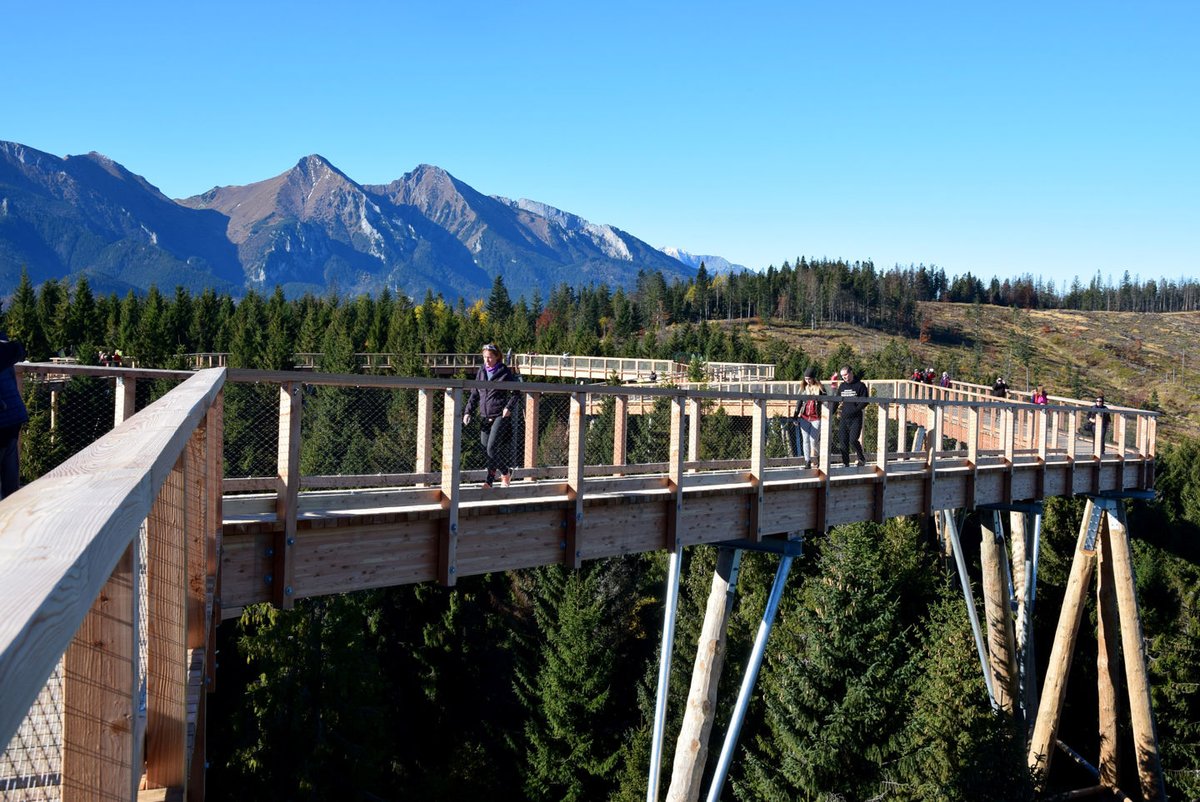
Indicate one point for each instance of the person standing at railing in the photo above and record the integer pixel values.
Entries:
(1000, 388)
(851, 420)
(12, 415)
(496, 407)
(1039, 396)
(808, 417)
(1098, 420)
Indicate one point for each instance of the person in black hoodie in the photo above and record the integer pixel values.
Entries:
(496, 407)
(851, 421)
(12, 415)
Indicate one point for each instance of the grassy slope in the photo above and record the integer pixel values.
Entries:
(1124, 354)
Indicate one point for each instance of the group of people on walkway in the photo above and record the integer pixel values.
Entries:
(495, 408)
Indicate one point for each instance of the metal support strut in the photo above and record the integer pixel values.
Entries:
(755, 662)
(664, 673)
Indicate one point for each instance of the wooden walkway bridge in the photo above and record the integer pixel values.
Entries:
(167, 507)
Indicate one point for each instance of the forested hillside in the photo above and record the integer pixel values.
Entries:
(539, 684)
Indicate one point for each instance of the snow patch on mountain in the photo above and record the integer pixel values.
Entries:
(712, 264)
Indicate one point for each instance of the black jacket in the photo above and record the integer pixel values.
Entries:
(490, 402)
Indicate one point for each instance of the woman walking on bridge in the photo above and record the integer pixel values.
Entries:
(496, 407)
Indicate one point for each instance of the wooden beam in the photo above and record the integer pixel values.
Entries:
(533, 406)
(973, 432)
(675, 461)
(691, 749)
(1001, 638)
(124, 398)
(195, 536)
(100, 685)
(424, 457)
(1133, 646)
(758, 467)
(1010, 434)
(824, 463)
(1108, 666)
(1054, 689)
(1022, 563)
(166, 663)
(451, 467)
(1072, 434)
(287, 493)
(693, 430)
(215, 466)
(576, 458)
(620, 430)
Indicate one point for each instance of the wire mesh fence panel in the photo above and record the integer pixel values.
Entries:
(251, 425)
(553, 439)
(357, 431)
(724, 436)
(31, 764)
(600, 427)
(648, 436)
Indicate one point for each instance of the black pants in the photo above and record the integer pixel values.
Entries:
(10, 466)
(849, 430)
(495, 434)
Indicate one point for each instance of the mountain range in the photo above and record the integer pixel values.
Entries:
(310, 229)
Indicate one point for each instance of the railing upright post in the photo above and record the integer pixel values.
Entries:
(101, 727)
(451, 467)
(576, 457)
(287, 488)
(758, 466)
(424, 456)
(124, 398)
(693, 439)
(166, 662)
(675, 473)
(620, 430)
(533, 406)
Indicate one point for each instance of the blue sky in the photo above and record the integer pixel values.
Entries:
(1052, 138)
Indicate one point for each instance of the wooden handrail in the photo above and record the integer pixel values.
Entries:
(62, 536)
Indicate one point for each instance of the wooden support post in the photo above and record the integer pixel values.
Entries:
(1022, 564)
(758, 466)
(1054, 689)
(287, 496)
(691, 749)
(902, 427)
(573, 552)
(451, 468)
(693, 438)
(124, 398)
(1001, 639)
(1133, 646)
(1108, 667)
(101, 747)
(424, 462)
(620, 430)
(533, 406)
(1054, 428)
(675, 474)
(166, 662)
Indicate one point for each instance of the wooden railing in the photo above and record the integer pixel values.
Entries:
(287, 535)
(136, 513)
(566, 366)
